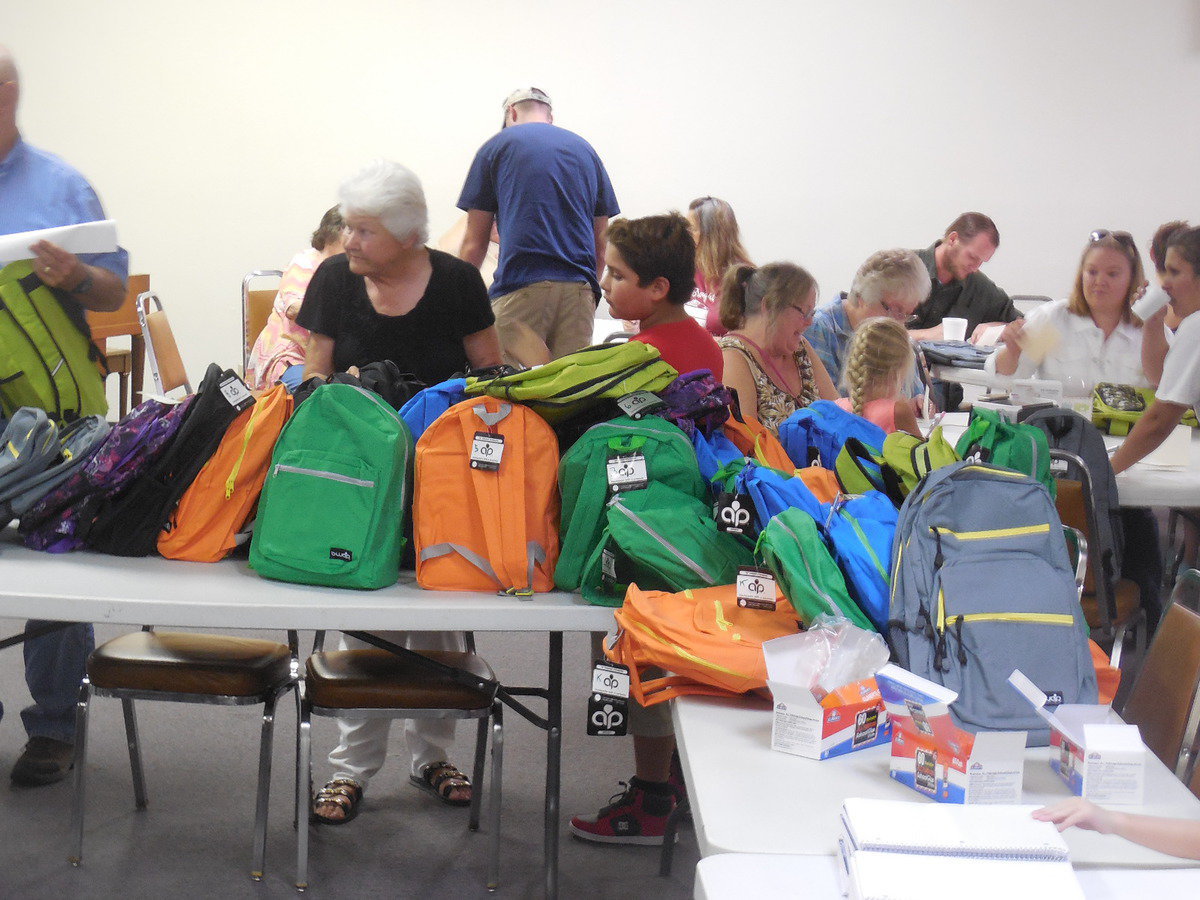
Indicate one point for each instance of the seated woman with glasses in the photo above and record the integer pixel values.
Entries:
(891, 283)
(1089, 337)
(768, 363)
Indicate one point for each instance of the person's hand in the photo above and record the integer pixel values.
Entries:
(293, 309)
(918, 405)
(1078, 812)
(56, 267)
(1140, 293)
(1011, 335)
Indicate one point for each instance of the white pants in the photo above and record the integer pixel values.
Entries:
(363, 746)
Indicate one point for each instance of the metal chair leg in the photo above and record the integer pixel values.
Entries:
(135, 754)
(265, 745)
(670, 832)
(303, 793)
(493, 880)
(481, 736)
(81, 727)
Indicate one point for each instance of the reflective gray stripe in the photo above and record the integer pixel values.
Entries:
(490, 419)
(537, 554)
(833, 608)
(466, 553)
(687, 561)
(331, 476)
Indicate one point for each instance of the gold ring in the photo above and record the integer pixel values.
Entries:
(46, 270)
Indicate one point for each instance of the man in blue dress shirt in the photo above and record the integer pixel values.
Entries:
(39, 190)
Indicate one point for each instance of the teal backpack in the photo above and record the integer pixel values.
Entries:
(793, 549)
(1022, 448)
(46, 360)
(662, 539)
(333, 505)
(584, 481)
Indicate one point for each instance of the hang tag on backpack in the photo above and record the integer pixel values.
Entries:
(235, 392)
(608, 702)
(627, 473)
(755, 588)
(608, 569)
(640, 404)
(487, 450)
(733, 513)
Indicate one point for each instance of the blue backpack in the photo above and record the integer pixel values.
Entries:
(860, 534)
(821, 430)
(773, 491)
(713, 452)
(982, 585)
(426, 405)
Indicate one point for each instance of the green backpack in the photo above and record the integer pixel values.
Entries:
(908, 459)
(1022, 448)
(793, 549)
(661, 539)
(574, 383)
(45, 360)
(584, 481)
(333, 506)
(1116, 408)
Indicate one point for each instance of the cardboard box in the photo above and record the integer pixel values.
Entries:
(803, 725)
(1095, 754)
(936, 758)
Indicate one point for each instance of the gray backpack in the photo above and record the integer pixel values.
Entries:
(982, 585)
(43, 456)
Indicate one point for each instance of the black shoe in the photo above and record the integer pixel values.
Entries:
(45, 760)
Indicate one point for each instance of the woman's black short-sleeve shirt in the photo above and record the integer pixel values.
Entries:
(426, 341)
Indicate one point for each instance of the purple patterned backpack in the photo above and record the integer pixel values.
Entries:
(61, 520)
(696, 400)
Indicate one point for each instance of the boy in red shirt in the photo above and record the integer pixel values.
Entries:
(648, 276)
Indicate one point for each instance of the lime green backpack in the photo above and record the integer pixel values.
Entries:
(654, 447)
(791, 546)
(333, 505)
(660, 539)
(574, 383)
(45, 360)
(1022, 448)
(897, 468)
(1117, 407)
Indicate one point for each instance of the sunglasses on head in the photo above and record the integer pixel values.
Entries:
(1121, 237)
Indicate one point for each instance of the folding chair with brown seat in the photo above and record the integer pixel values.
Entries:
(379, 683)
(128, 365)
(256, 308)
(185, 668)
(1112, 605)
(1163, 700)
(162, 353)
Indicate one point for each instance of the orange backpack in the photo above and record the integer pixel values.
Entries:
(713, 645)
(223, 497)
(757, 443)
(477, 527)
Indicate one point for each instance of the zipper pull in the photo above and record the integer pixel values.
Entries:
(938, 558)
(962, 652)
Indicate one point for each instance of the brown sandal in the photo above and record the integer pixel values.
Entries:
(342, 793)
(442, 779)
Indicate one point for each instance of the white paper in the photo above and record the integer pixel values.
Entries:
(89, 237)
(991, 337)
(1173, 453)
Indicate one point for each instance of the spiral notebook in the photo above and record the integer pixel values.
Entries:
(941, 829)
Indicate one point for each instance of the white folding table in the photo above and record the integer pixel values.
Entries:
(747, 798)
(91, 587)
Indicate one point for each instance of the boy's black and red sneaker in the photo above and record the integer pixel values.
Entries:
(637, 816)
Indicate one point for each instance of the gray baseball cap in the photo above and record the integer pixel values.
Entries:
(529, 93)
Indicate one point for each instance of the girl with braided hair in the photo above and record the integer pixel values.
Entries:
(878, 365)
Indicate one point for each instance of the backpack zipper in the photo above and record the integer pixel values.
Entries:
(686, 560)
(330, 476)
(867, 544)
(686, 654)
(1016, 531)
(829, 604)
(231, 481)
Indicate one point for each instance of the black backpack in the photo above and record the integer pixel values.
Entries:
(383, 378)
(128, 525)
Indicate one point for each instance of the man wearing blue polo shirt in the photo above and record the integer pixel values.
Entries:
(39, 190)
(550, 196)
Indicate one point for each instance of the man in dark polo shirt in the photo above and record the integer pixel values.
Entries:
(958, 289)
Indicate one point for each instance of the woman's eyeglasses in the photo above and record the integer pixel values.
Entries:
(898, 314)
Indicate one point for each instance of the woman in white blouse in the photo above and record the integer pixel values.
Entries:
(1090, 336)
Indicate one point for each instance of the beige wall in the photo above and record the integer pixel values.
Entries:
(217, 132)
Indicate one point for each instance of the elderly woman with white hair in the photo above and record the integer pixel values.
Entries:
(388, 296)
(891, 283)
(391, 297)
